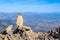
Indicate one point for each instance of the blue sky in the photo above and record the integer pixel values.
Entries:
(30, 6)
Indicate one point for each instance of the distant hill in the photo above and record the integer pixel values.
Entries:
(37, 21)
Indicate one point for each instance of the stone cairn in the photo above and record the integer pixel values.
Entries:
(19, 21)
(20, 25)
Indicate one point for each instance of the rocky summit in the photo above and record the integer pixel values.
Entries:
(26, 33)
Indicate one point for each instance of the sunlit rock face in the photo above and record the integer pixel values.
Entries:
(19, 21)
(9, 28)
(6, 38)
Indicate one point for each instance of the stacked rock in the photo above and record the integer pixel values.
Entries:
(19, 21)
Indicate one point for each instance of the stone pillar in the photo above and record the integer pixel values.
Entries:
(19, 21)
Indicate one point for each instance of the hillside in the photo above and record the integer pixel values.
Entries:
(23, 32)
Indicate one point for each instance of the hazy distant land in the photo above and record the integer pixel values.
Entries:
(37, 21)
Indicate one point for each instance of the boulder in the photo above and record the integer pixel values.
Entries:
(9, 28)
(26, 28)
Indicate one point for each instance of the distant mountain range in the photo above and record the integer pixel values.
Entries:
(37, 21)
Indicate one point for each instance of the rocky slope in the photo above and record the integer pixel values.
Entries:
(26, 33)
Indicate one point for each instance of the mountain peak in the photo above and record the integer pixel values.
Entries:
(26, 33)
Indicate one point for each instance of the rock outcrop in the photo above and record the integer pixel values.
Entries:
(19, 21)
(26, 33)
(9, 28)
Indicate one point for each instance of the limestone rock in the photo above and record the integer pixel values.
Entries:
(19, 21)
(9, 28)
(6, 38)
(2, 36)
(1, 39)
(26, 28)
